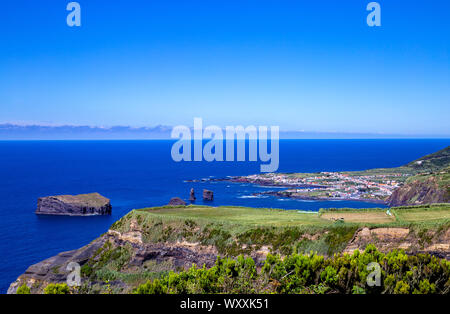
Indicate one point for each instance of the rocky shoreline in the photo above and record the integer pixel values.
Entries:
(285, 194)
(261, 182)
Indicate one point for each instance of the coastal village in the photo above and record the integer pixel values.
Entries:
(330, 185)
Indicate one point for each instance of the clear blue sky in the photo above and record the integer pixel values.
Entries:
(302, 65)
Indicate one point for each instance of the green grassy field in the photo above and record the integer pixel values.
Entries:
(286, 218)
(240, 230)
(437, 213)
(239, 215)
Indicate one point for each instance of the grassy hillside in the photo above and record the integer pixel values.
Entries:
(244, 216)
(433, 162)
(239, 230)
(247, 217)
(442, 177)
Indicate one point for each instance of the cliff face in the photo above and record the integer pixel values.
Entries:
(422, 189)
(136, 259)
(430, 185)
(74, 205)
(123, 258)
(112, 248)
(387, 239)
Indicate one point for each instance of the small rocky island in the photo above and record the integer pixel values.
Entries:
(176, 201)
(208, 195)
(74, 205)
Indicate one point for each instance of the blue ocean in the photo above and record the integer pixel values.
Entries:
(136, 174)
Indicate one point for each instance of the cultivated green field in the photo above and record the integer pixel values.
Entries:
(435, 213)
(239, 215)
(287, 218)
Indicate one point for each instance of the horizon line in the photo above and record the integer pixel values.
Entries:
(35, 131)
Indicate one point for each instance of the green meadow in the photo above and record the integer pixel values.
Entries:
(245, 216)
(240, 230)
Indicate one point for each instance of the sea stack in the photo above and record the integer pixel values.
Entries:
(74, 205)
(208, 195)
(176, 201)
(192, 197)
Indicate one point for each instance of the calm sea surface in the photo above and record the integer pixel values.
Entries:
(136, 174)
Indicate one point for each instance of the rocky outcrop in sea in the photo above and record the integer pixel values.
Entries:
(74, 205)
(208, 195)
(176, 201)
(192, 197)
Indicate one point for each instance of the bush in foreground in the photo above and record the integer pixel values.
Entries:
(57, 289)
(24, 289)
(297, 273)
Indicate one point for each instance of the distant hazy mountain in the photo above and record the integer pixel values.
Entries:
(31, 132)
(11, 131)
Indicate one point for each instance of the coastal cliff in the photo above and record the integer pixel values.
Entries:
(136, 259)
(149, 243)
(74, 205)
(423, 189)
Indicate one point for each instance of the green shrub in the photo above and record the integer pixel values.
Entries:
(401, 288)
(311, 273)
(358, 290)
(23, 289)
(152, 287)
(329, 276)
(86, 270)
(57, 289)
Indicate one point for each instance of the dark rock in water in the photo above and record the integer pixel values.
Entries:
(192, 196)
(208, 195)
(176, 201)
(74, 205)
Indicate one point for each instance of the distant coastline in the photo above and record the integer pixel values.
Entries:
(312, 198)
(13, 131)
(421, 181)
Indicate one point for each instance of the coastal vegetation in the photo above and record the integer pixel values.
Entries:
(240, 230)
(149, 249)
(57, 289)
(232, 231)
(311, 273)
(23, 289)
(431, 163)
